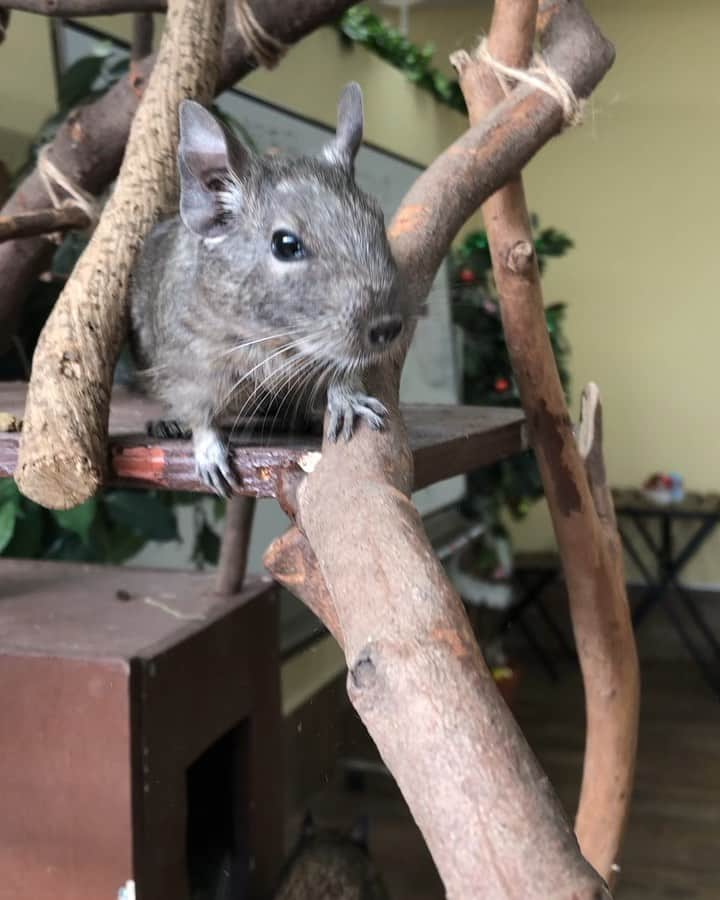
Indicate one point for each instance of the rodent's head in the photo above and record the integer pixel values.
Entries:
(298, 237)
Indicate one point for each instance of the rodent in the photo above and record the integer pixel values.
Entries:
(274, 285)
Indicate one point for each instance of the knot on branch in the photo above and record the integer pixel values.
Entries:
(363, 674)
(521, 258)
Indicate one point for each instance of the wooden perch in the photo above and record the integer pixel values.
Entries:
(63, 449)
(89, 146)
(580, 506)
(359, 557)
(43, 222)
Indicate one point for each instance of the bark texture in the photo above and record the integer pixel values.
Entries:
(63, 448)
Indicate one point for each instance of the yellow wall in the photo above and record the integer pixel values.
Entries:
(636, 187)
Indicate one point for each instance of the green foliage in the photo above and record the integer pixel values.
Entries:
(359, 25)
(487, 374)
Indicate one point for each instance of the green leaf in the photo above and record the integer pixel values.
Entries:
(9, 492)
(207, 546)
(143, 513)
(8, 516)
(78, 520)
(77, 81)
(27, 539)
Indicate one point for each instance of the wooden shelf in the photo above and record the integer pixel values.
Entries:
(445, 440)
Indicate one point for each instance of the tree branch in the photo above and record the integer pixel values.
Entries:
(43, 221)
(66, 9)
(63, 455)
(142, 37)
(417, 678)
(589, 548)
(89, 146)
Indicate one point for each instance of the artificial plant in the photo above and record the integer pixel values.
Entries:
(487, 376)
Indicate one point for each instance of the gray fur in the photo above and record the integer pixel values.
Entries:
(212, 308)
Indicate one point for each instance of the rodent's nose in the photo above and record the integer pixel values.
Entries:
(384, 331)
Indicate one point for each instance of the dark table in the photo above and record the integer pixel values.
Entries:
(653, 524)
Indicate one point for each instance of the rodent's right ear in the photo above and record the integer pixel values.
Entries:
(211, 164)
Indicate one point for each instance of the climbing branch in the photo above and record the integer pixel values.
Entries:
(580, 507)
(359, 556)
(89, 146)
(43, 221)
(63, 449)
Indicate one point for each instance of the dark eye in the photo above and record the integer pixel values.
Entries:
(287, 247)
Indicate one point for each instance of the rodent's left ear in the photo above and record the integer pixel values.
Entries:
(211, 163)
(348, 137)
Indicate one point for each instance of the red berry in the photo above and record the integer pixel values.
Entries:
(467, 276)
(501, 385)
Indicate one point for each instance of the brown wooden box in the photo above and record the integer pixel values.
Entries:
(113, 684)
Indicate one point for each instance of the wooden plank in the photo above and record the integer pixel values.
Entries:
(446, 441)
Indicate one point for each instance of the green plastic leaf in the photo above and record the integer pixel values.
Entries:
(78, 520)
(8, 516)
(143, 513)
(27, 539)
(207, 546)
(77, 81)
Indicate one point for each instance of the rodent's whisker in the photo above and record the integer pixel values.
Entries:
(257, 366)
(273, 373)
(270, 337)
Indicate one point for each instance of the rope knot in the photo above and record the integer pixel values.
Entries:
(53, 178)
(539, 75)
(267, 49)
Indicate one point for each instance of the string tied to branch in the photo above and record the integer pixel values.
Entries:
(265, 48)
(539, 75)
(53, 178)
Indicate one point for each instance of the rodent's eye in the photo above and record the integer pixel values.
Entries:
(287, 247)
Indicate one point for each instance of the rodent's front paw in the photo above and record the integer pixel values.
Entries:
(345, 404)
(212, 462)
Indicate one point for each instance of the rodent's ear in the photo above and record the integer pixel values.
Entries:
(211, 163)
(348, 137)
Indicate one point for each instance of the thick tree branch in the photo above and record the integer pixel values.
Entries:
(42, 221)
(417, 678)
(63, 456)
(589, 546)
(89, 146)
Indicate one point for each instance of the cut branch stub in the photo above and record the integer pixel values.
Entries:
(63, 452)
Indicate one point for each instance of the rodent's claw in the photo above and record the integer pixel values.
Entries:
(345, 405)
(212, 462)
(166, 430)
